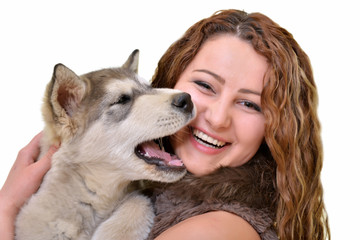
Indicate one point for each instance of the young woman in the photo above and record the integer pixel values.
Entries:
(253, 153)
(253, 86)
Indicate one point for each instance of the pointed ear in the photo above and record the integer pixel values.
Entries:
(65, 91)
(62, 99)
(132, 62)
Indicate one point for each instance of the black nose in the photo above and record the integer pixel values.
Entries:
(182, 101)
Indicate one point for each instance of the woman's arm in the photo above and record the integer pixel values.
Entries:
(211, 226)
(23, 180)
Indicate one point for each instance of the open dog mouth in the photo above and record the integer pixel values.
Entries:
(153, 152)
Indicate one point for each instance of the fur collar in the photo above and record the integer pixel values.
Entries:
(247, 191)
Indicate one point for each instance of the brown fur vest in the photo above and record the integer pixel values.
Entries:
(247, 191)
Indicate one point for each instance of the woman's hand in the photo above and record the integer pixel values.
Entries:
(23, 180)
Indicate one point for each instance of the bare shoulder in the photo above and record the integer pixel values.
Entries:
(211, 225)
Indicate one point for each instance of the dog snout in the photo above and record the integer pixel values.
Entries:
(182, 101)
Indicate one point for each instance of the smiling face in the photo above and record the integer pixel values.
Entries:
(225, 81)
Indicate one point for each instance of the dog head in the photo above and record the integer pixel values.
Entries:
(109, 119)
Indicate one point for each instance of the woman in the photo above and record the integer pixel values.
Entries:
(273, 86)
(257, 123)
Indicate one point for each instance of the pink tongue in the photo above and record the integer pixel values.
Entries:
(152, 150)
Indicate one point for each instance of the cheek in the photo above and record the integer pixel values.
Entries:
(185, 87)
(251, 130)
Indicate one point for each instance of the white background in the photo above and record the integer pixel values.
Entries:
(88, 35)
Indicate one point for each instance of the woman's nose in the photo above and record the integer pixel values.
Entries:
(218, 115)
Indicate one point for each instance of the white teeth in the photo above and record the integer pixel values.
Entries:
(208, 139)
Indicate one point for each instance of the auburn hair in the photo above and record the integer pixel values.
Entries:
(289, 103)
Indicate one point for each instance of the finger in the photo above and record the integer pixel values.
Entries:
(34, 146)
(29, 153)
(44, 163)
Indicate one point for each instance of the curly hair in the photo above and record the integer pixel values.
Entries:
(289, 101)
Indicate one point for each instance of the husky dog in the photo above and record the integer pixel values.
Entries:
(106, 122)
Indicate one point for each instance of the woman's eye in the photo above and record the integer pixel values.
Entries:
(204, 85)
(250, 105)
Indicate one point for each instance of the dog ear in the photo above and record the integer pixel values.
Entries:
(66, 91)
(62, 100)
(132, 62)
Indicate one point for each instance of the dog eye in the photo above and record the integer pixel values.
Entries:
(123, 99)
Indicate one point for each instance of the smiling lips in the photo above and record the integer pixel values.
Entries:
(206, 140)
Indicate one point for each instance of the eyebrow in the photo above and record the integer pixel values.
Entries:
(249, 91)
(217, 77)
(222, 81)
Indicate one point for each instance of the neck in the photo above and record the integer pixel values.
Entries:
(99, 182)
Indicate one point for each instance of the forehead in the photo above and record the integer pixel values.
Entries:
(231, 52)
(232, 59)
(115, 79)
(124, 85)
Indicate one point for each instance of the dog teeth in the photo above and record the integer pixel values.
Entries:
(207, 139)
(161, 145)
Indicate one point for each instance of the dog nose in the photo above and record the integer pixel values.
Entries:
(182, 101)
